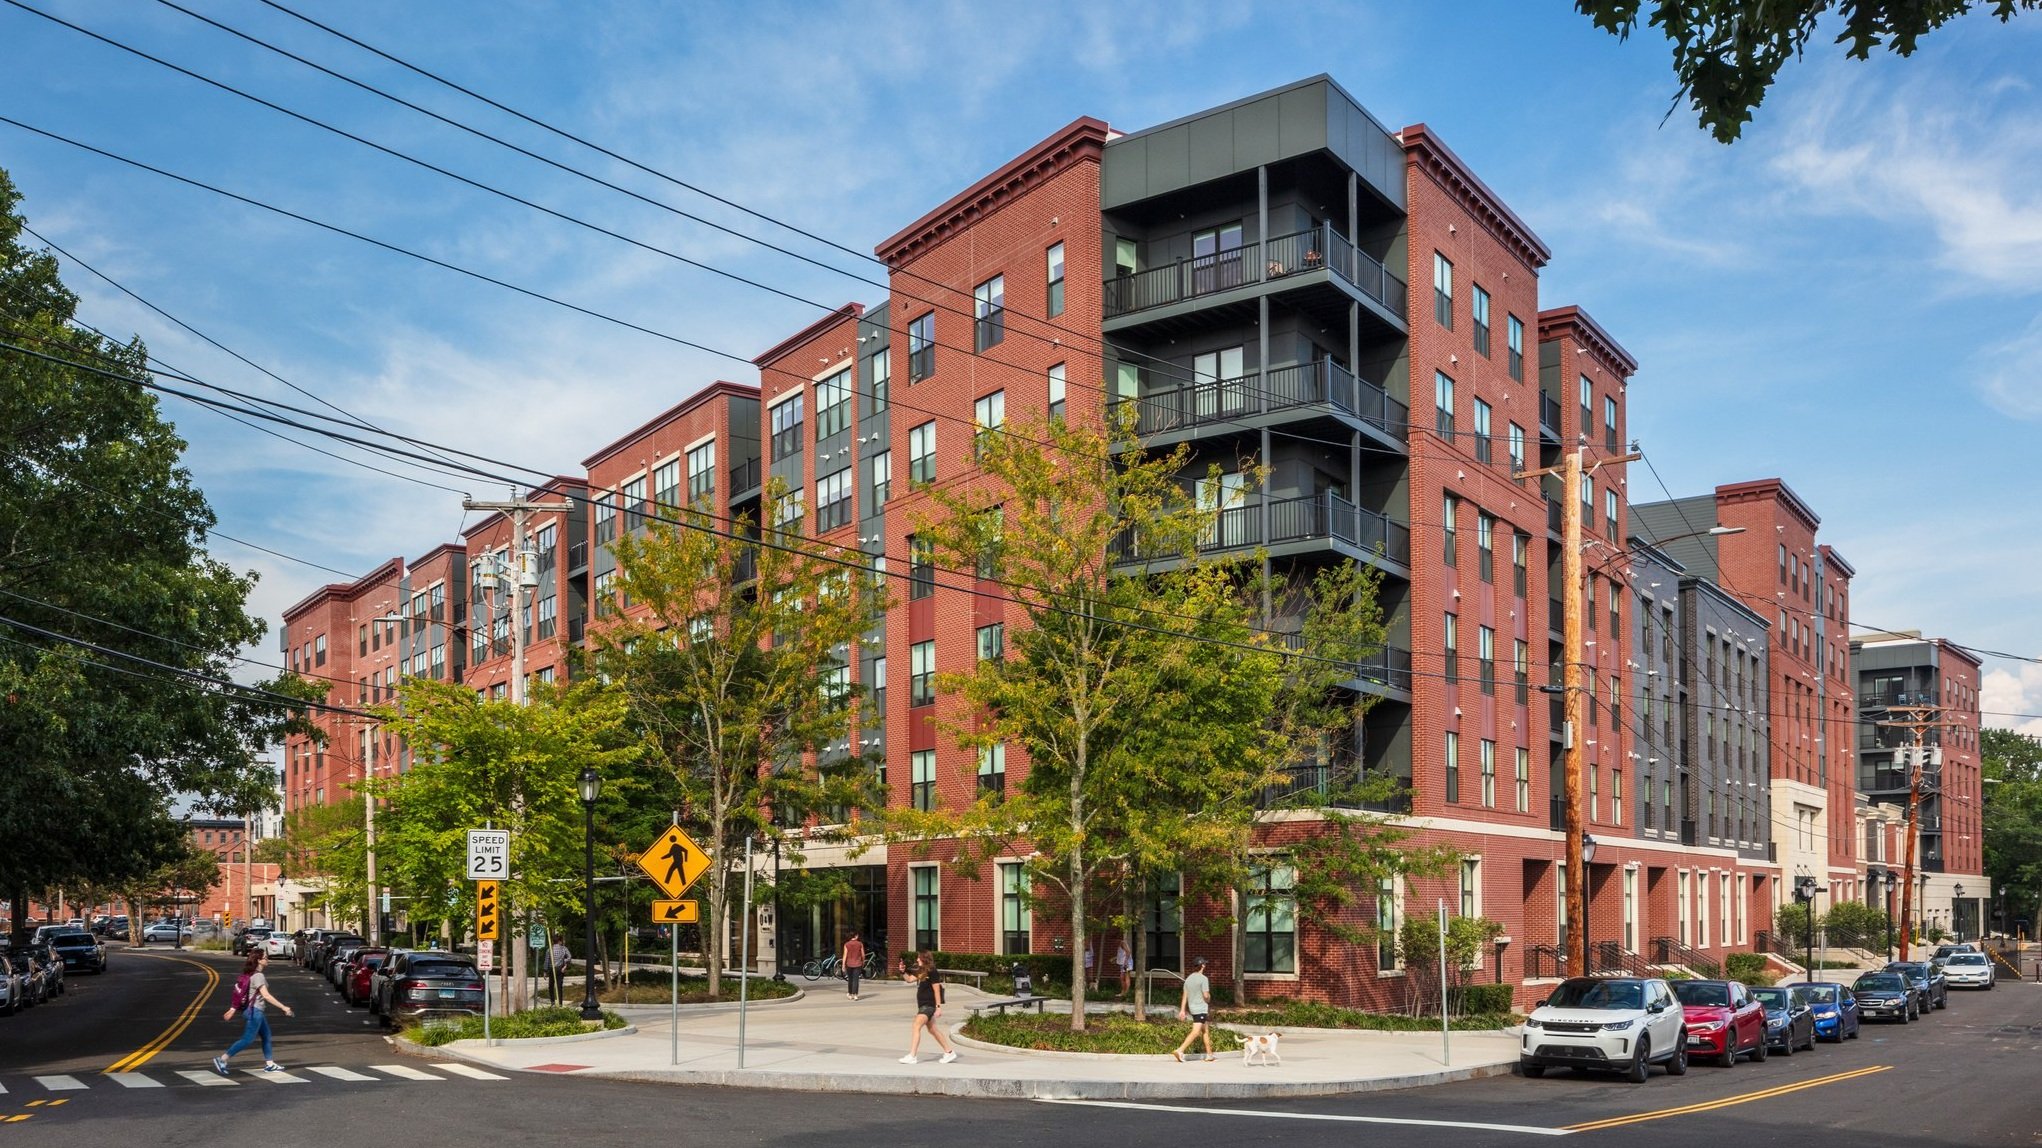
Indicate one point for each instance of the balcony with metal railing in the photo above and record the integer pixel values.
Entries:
(577, 556)
(744, 479)
(1294, 525)
(1549, 417)
(1321, 252)
(1299, 390)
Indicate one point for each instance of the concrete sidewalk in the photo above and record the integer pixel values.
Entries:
(824, 1042)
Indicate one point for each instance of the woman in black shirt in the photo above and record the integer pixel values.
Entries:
(928, 1006)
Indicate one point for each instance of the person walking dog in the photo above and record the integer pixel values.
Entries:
(1196, 1007)
(252, 995)
(928, 1006)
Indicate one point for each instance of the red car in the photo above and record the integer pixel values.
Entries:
(1722, 1020)
(360, 975)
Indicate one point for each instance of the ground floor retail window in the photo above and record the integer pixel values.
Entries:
(1271, 921)
(1165, 923)
(928, 912)
(1014, 916)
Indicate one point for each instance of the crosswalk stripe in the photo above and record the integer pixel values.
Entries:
(205, 1076)
(135, 1080)
(405, 1072)
(338, 1073)
(469, 1071)
(278, 1077)
(60, 1083)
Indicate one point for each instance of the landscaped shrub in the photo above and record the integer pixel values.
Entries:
(1476, 999)
(1751, 968)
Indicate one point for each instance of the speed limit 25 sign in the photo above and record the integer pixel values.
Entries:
(488, 854)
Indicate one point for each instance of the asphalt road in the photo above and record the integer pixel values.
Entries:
(1966, 1076)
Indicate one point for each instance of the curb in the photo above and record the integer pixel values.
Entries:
(571, 1038)
(700, 1006)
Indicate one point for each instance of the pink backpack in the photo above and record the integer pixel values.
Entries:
(239, 1000)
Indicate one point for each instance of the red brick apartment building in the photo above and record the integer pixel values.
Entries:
(1280, 282)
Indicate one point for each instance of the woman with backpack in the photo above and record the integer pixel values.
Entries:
(252, 995)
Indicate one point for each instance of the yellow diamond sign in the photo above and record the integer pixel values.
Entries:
(674, 862)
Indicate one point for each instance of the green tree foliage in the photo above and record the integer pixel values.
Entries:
(1160, 717)
(2013, 821)
(102, 538)
(1467, 941)
(735, 679)
(1850, 923)
(1726, 53)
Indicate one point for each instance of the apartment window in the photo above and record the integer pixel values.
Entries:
(1443, 290)
(992, 642)
(666, 484)
(988, 414)
(1449, 510)
(702, 474)
(921, 348)
(1453, 648)
(882, 480)
(833, 405)
(605, 582)
(1524, 781)
(1588, 498)
(1443, 404)
(1609, 512)
(1387, 923)
(549, 616)
(1453, 767)
(922, 779)
(1216, 258)
(1520, 562)
(606, 522)
(1587, 404)
(1485, 653)
(1488, 775)
(362, 641)
(833, 500)
(1516, 450)
(786, 419)
(992, 526)
(1609, 421)
(921, 567)
(1485, 546)
(922, 453)
(1616, 608)
(1271, 920)
(1056, 391)
(1471, 887)
(1054, 259)
(634, 505)
(922, 673)
(788, 510)
(881, 370)
(878, 688)
(1014, 901)
(1514, 329)
(1484, 450)
(1479, 307)
(1521, 671)
(1616, 791)
(989, 312)
(319, 650)
(992, 771)
(927, 914)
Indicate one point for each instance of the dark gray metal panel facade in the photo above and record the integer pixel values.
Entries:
(1655, 520)
(1310, 116)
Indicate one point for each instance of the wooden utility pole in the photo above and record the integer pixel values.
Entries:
(1920, 720)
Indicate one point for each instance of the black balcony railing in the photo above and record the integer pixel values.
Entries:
(1322, 383)
(577, 629)
(1545, 962)
(1277, 258)
(744, 476)
(577, 556)
(1554, 516)
(1549, 413)
(1300, 519)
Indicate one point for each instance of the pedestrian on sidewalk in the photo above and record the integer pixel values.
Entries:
(252, 995)
(1196, 1007)
(928, 1006)
(854, 964)
(556, 961)
(1124, 960)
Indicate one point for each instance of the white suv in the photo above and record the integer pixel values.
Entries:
(1969, 970)
(1621, 1024)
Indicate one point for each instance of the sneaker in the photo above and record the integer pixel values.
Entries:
(910, 1060)
(220, 1065)
(272, 1066)
(948, 1057)
(1177, 1056)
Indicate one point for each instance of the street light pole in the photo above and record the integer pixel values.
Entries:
(1587, 902)
(591, 788)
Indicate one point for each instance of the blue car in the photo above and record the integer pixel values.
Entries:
(1789, 1021)
(1835, 1008)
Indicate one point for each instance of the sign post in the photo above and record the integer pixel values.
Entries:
(488, 865)
(674, 863)
(488, 854)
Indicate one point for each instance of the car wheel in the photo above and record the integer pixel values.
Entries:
(1787, 1046)
(1759, 1053)
(1636, 1072)
(1677, 1064)
(1534, 1071)
(1729, 1057)
(1810, 1046)
(1853, 1034)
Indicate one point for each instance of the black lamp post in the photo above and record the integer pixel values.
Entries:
(1892, 882)
(591, 788)
(1587, 887)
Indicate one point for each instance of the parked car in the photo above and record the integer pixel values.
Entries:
(1969, 970)
(1789, 1019)
(324, 949)
(99, 923)
(280, 945)
(11, 988)
(1622, 1024)
(1887, 996)
(43, 933)
(361, 975)
(1943, 952)
(430, 983)
(306, 940)
(117, 928)
(1835, 1008)
(1723, 1022)
(34, 989)
(340, 964)
(1928, 980)
(79, 952)
(248, 940)
(52, 967)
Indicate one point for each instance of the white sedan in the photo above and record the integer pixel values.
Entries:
(1970, 970)
(280, 945)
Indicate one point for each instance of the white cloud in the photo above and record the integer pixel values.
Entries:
(2005, 695)
(2008, 373)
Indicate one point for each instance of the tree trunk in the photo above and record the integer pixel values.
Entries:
(1077, 879)
(1138, 952)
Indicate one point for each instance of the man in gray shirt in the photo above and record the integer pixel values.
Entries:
(1196, 1008)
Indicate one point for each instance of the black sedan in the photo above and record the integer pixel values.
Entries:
(1886, 996)
(414, 985)
(1928, 981)
(1789, 1019)
(80, 952)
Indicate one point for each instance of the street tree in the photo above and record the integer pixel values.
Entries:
(2012, 765)
(1726, 53)
(735, 660)
(117, 628)
(1162, 709)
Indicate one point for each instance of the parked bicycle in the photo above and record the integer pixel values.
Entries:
(833, 966)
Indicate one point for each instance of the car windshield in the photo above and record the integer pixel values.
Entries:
(1910, 968)
(1702, 993)
(1822, 994)
(1887, 981)
(73, 941)
(440, 969)
(1770, 997)
(1598, 995)
(1967, 958)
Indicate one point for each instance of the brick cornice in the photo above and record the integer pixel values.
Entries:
(1431, 156)
(1769, 490)
(1574, 321)
(1082, 141)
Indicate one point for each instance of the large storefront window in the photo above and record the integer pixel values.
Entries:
(1271, 921)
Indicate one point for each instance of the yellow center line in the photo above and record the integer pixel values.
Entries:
(144, 1054)
(1728, 1101)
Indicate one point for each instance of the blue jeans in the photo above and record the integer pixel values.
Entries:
(258, 1026)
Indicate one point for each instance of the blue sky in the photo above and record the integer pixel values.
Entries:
(1847, 298)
